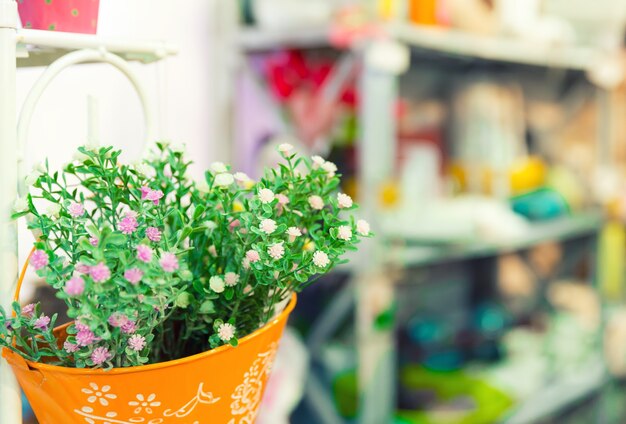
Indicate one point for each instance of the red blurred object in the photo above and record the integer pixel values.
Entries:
(80, 16)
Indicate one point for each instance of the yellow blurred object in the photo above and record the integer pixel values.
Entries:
(386, 9)
(238, 206)
(389, 194)
(525, 175)
(611, 260)
(528, 174)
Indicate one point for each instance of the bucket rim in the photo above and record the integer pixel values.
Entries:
(143, 368)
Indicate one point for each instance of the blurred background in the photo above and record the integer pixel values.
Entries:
(485, 141)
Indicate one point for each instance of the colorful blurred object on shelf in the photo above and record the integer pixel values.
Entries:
(540, 205)
(79, 16)
(428, 397)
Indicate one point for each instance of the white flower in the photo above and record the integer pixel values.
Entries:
(226, 331)
(20, 205)
(320, 259)
(218, 167)
(318, 161)
(32, 178)
(362, 227)
(330, 168)
(268, 226)
(212, 250)
(203, 187)
(145, 169)
(53, 210)
(224, 179)
(217, 284)
(231, 279)
(344, 233)
(316, 202)
(293, 233)
(344, 200)
(99, 394)
(285, 148)
(276, 251)
(39, 166)
(210, 225)
(245, 263)
(266, 195)
(145, 403)
(241, 177)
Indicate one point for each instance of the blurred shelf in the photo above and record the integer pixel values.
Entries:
(253, 39)
(558, 396)
(41, 48)
(554, 230)
(461, 43)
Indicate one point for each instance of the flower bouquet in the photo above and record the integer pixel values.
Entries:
(178, 291)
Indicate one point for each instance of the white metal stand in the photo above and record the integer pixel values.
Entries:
(58, 50)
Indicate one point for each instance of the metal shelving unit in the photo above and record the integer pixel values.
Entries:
(379, 87)
(56, 51)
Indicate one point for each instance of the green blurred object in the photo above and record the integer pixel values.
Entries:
(345, 392)
(541, 204)
(488, 404)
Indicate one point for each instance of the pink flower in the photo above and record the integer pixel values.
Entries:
(99, 273)
(100, 355)
(268, 226)
(344, 200)
(42, 322)
(28, 310)
(128, 225)
(226, 331)
(320, 259)
(266, 195)
(117, 320)
(144, 253)
(344, 233)
(129, 327)
(169, 262)
(145, 190)
(234, 224)
(137, 342)
(316, 202)
(70, 347)
(293, 233)
(82, 268)
(252, 255)
(276, 251)
(212, 250)
(76, 210)
(362, 227)
(231, 279)
(154, 234)
(80, 326)
(75, 286)
(85, 337)
(93, 241)
(133, 275)
(282, 199)
(39, 259)
(155, 196)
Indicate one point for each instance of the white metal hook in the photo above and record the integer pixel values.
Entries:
(80, 56)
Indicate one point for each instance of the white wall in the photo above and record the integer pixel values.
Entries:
(181, 86)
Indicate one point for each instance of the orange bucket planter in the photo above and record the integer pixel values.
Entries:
(221, 386)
